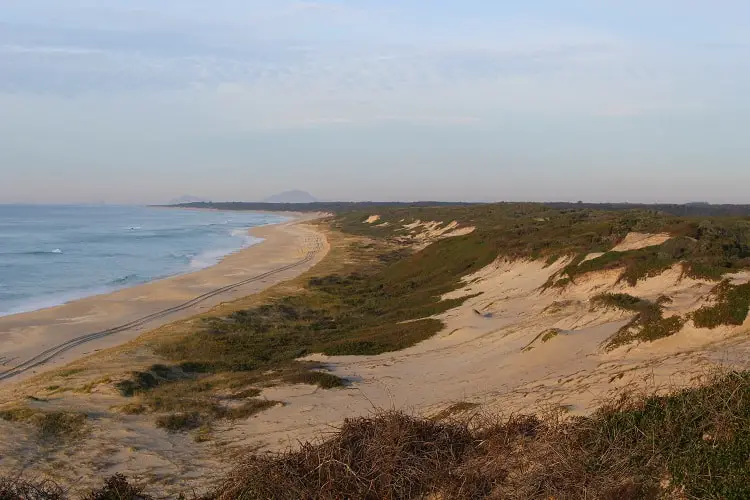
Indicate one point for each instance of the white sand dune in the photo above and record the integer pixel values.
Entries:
(480, 357)
(636, 241)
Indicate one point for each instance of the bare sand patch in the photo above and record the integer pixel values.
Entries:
(421, 234)
(636, 241)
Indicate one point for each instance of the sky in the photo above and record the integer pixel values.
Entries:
(143, 101)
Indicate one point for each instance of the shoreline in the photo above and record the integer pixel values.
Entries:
(44, 339)
(107, 290)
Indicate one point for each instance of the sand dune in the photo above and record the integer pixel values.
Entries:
(514, 347)
(482, 358)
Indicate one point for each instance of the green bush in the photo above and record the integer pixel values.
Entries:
(648, 324)
(732, 303)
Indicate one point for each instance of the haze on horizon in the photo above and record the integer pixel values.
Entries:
(140, 102)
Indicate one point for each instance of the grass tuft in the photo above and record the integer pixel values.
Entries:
(321, 379)
(54, 425)
(649, 323)
(180, 422)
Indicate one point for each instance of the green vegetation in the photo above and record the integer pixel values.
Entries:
(649, 323)
(21, 414)
(380, 300)
(732, 303)
(731, 306)
(384, 295)
(708, 247)
(59, 424)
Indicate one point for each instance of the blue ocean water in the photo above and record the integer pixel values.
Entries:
(50, 255)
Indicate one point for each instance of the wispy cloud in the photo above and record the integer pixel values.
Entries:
(180, 82)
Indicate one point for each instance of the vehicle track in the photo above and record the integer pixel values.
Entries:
(55, 351)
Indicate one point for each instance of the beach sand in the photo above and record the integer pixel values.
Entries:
(288, 249)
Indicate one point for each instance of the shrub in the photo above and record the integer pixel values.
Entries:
(321, 379)
(648, 325)
(139, 382)
(623, 451)
(117, 487)
(19, 489)
(732, 303)
(177, 422)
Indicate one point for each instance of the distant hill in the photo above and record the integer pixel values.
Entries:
(295, 196)
(187, 199)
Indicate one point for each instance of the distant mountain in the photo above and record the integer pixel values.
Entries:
(187, 199)
(295, 196)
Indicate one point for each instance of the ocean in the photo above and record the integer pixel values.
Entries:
(50, 255)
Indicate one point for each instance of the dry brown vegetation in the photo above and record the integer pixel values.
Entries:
(49, 426)
(693, 444)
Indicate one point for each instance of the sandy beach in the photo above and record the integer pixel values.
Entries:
(38, 341)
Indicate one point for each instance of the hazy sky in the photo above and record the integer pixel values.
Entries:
(146, 100)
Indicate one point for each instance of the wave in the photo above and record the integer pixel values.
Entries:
(209, 258)
(56, 251)
(177, 259)
(54, 300)
(213, 257)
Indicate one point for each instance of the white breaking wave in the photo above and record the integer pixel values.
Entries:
(213, 257)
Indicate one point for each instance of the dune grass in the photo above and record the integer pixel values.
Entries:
(50, 426)
(380, 295)
(379, 298)
(631, 449)
(731, 306)
(648, 325)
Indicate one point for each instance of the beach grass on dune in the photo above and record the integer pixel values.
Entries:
(379, 299)
(693, 443)
(381, 294)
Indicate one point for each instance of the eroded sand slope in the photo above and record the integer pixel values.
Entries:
(515, 347)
